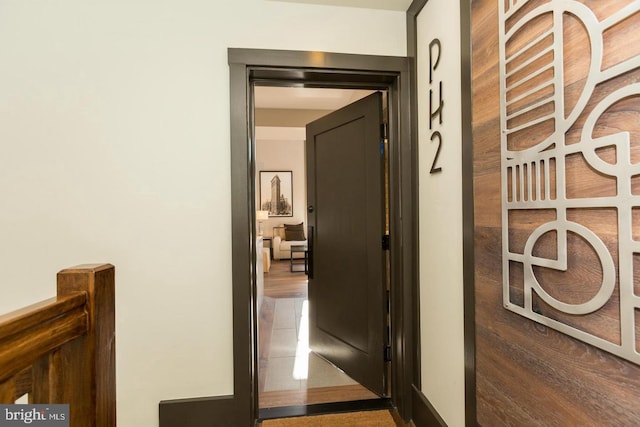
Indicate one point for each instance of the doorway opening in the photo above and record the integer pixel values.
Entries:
(249, 67)
(290, 373)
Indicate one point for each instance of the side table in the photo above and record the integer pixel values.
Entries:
(295, 266)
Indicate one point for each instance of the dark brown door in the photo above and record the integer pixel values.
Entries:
(345, 193)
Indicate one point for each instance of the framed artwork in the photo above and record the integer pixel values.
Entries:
(276, 193)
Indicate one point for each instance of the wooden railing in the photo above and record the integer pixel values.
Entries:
(62, 350)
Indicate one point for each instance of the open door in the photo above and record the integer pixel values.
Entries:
(345, 196)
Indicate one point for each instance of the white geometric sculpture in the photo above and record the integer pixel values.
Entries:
(534, 179)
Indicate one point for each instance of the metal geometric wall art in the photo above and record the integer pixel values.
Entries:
(570, 167)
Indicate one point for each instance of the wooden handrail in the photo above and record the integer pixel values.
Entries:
(31, 332)
(62, 350)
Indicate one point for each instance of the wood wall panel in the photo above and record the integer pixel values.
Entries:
(529, 374)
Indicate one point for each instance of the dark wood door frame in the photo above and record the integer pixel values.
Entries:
(312, 69)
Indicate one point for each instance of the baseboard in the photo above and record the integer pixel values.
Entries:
(200, 412)
(423, 414)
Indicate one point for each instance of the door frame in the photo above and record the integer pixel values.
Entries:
(313, 69)
(321, 69)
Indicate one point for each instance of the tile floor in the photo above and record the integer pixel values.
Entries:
(291, 365)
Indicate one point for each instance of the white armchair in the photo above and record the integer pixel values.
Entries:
(282, 246)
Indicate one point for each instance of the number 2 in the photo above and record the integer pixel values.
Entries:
(434, 167)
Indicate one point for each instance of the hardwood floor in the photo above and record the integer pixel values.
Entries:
(279, 282)
(310, 396)
(282, 285)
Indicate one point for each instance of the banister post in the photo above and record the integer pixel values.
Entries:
(8, 391)
(96, 361)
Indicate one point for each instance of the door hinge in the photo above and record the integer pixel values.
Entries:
(387, 353)
(386, 243)
(384, 130)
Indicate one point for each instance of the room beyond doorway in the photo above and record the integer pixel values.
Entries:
(289, 374)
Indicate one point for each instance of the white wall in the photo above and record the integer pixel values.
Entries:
(282, 148)
(440, 235)
(114, 147)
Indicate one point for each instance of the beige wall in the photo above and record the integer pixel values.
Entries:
(114, 147)
(283, 149)
(278, 117)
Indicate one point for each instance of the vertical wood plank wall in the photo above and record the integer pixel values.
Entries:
(529, 374)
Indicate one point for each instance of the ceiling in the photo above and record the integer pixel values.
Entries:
(400, 5)
(298, 98)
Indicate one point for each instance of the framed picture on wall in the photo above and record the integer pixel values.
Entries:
(276, 193)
